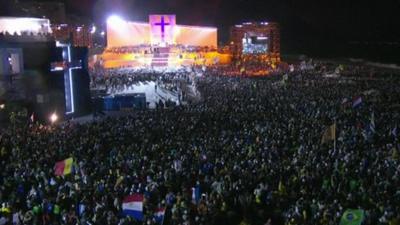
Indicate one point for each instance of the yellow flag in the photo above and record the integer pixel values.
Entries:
(68, 166)
(281, 188)
(119, 181)
(329, 134)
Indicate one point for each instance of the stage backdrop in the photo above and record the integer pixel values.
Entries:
(162, 29)
(133, 33)
(196, 36)
(128, 34)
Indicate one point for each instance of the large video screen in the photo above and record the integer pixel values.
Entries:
(255, 45)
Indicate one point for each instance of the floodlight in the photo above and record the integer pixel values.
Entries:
(115, 20)
(53, 118)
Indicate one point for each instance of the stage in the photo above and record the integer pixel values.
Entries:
(171, 57)
(159, 43)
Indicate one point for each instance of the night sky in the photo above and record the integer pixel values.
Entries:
(306, 26)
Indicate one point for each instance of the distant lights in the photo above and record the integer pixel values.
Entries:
(2, 106)
(93, 30)
(251, 23)
(103, 33)
(238, 26)
(57, 68)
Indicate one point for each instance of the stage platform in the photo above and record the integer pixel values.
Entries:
(124, 101)
(162, 57)
(148, 89)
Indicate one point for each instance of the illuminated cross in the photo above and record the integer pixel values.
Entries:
(162, 24)
(68, 65)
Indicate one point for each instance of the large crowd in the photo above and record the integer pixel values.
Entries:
(252, 147)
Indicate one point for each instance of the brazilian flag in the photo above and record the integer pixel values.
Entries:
(352, 217)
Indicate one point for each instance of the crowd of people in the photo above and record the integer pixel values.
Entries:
(251, 147)
(116, 80)
(251, 66)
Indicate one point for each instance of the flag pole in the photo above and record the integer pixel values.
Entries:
(165, 213)
(334, 137)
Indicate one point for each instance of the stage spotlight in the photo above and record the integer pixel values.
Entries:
(115, 21)
(53, 118)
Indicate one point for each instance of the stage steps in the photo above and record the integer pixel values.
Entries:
(161, 57)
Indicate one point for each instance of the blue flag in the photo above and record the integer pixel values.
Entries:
(196, 194)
